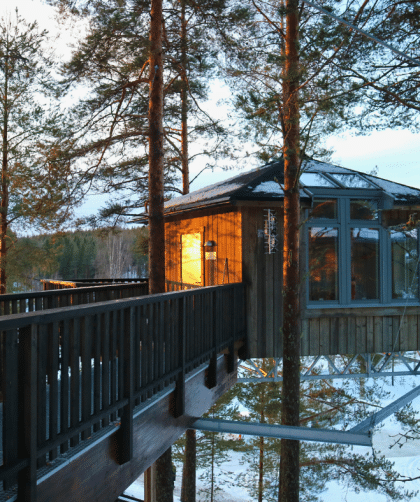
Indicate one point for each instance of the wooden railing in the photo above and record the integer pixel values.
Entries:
(179, 286)
(17, 303)
(48, 284)
(72, 371)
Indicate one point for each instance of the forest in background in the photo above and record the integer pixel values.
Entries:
(105, 252)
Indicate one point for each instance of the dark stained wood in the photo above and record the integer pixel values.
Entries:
(42, 388)
(75, 376)
(10, 399)
(53, 348)
(153, 431)
(64, 391)
(28, 426)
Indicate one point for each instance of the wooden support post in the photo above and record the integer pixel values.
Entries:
(179, 404)
(126, 430)
(28, 413)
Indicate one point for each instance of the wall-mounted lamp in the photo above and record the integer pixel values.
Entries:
(210, 250)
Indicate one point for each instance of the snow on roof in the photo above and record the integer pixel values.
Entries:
(263, 184)
(268, 187)
(399, 191)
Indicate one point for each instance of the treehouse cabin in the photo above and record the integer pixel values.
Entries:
(359, 256)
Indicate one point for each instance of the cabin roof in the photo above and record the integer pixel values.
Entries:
(265, 184)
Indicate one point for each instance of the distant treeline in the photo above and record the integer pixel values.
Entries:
(108, 253)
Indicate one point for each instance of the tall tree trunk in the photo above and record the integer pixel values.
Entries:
(189, 467)
(184, 103)
(261, 471)
(156, 222)
(289, 462)
(4, 185)
(163, 466)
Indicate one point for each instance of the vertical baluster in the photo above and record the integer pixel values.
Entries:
(22, 305)
(53, 348)
(27, 417)
(120, 340)
(137, 354)
(179, 408)
(39, 302)
(145, 347)
(7, 307)
(86, 353)
(43, 405)
(10, 362)
(14, 306)
(75, 378)
(152, 334)
(161, 336)
(114, 361)
(126, 430)
(98, 327)
(64, 387)
(105, 364)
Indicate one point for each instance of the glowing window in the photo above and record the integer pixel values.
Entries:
(191, 259)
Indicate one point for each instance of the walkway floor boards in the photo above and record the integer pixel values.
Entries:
(93, 475)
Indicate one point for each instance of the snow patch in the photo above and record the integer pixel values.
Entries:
(269, 187)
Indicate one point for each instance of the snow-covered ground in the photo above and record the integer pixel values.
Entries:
(406, 459)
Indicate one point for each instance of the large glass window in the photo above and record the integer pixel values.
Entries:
(323, 263)
(363, 210)
(353, 259)
(404, 251)
(325, 208)
(364, 263)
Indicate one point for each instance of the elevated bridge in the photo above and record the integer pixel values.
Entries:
(98, 391)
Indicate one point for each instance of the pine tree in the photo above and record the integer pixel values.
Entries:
(34, 189)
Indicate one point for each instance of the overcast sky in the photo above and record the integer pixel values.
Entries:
(396, 153)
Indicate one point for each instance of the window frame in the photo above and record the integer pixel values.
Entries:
(344, 225)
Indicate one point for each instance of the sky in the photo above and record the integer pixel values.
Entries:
(394, 153)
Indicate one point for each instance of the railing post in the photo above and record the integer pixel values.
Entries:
(10, 390)
(234, 326)
(126, 430)
(211, 373)
(179, 405)
(28, 413)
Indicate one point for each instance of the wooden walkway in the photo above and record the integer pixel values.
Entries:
(103, 389)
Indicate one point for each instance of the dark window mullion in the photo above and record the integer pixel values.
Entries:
(385, 266)
(344, 264)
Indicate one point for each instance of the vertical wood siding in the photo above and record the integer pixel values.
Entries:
(223, 226)
(263, 276)
(363, 330)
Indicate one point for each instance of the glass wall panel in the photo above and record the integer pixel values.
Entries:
(323, 264)
(404, 251)
(363, 210)
(324, 208)
(364, 264)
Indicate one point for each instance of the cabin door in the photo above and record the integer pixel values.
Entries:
(191, 260)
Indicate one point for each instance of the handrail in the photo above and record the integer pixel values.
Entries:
(118, 353)
(52, 284)
(16, 303)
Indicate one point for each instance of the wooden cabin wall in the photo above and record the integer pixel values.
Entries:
(223, 226)
(263, 276)
(361, 330)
